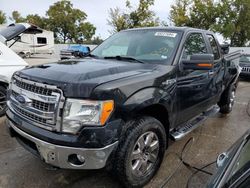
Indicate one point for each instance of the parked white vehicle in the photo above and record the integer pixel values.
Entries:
(27, 43)
(10, 62)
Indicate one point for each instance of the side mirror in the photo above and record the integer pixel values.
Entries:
(199, 62)
(220, 159)
(224, 48)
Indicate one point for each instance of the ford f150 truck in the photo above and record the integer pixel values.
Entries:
(118, 107)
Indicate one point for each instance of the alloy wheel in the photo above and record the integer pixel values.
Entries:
(144, 154)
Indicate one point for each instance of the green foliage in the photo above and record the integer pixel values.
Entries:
(85, 31)
(95, 40)
(37, 20)
(199, 14)
(234, 21)
(178, 13)
(142, 16)
(2, 17)
(68, 23)
(231, 18)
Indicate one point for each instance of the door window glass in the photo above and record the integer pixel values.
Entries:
(214, 46)
(194, 44)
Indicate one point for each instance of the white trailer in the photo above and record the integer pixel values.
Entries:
(29, 43)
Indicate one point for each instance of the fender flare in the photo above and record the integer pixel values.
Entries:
(147, 97)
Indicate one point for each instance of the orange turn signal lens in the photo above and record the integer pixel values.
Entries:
(107, 109)
(204, 65)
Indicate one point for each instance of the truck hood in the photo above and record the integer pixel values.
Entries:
(78, 78)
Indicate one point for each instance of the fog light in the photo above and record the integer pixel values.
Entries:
(76, 160)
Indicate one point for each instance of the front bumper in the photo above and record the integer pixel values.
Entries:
(59, 156)
(244, 73)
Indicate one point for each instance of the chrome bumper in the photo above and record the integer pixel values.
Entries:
(59, 155)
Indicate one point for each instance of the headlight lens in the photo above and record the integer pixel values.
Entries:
(78, 113)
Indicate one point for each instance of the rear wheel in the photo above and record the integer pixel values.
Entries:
(140, 152)
(228, 99)
(3, 99)
(28, 55)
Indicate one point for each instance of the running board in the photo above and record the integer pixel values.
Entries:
(188, 127)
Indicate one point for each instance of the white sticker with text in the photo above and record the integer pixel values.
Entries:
(165, 34)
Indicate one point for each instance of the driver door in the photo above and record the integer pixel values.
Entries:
(193, 86)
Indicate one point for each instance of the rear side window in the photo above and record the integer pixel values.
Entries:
(214, 46)
(195, 44)
(41, 40)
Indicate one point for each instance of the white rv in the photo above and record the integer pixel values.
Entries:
(29, 43)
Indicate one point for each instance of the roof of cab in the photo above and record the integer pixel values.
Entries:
(184, 29)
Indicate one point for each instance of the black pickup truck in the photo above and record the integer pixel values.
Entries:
(119, 106)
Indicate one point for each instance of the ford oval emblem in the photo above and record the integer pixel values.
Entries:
(20, 99)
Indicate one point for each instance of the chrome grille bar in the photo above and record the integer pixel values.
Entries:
(246, 69)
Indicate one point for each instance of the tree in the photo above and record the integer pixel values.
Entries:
(178, 12)
(37, 20)
(199, 14)
(231, 18)
(2, 17)
(66, 21)
(142, 16)
(16, 17)
(85, 31)
(234, 21)
(96, 40)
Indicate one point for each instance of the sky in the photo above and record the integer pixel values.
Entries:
(97, 10)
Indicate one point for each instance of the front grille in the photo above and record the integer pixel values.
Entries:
(246, 69)
(33, 88)
(43, 106)
(39, 102)
(30, 116)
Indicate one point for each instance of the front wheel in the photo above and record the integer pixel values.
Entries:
(140, 152)
(227, 102)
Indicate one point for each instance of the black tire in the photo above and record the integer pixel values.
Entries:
(227, 100)
(3, 97)
(153, 132)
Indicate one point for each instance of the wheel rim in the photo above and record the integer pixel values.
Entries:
(144, 154)
(2, 101)
(232, 98)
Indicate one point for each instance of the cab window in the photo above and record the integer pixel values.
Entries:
(195, 44)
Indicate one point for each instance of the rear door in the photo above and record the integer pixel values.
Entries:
(218, 71)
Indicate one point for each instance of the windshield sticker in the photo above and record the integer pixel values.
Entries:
(165, 34)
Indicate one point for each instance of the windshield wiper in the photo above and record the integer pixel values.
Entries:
(124, 58)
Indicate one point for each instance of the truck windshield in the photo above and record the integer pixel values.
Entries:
(245, 59)
(152, 46)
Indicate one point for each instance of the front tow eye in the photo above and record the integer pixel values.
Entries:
(76, 160)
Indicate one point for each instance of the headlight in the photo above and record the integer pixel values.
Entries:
(78, 113)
